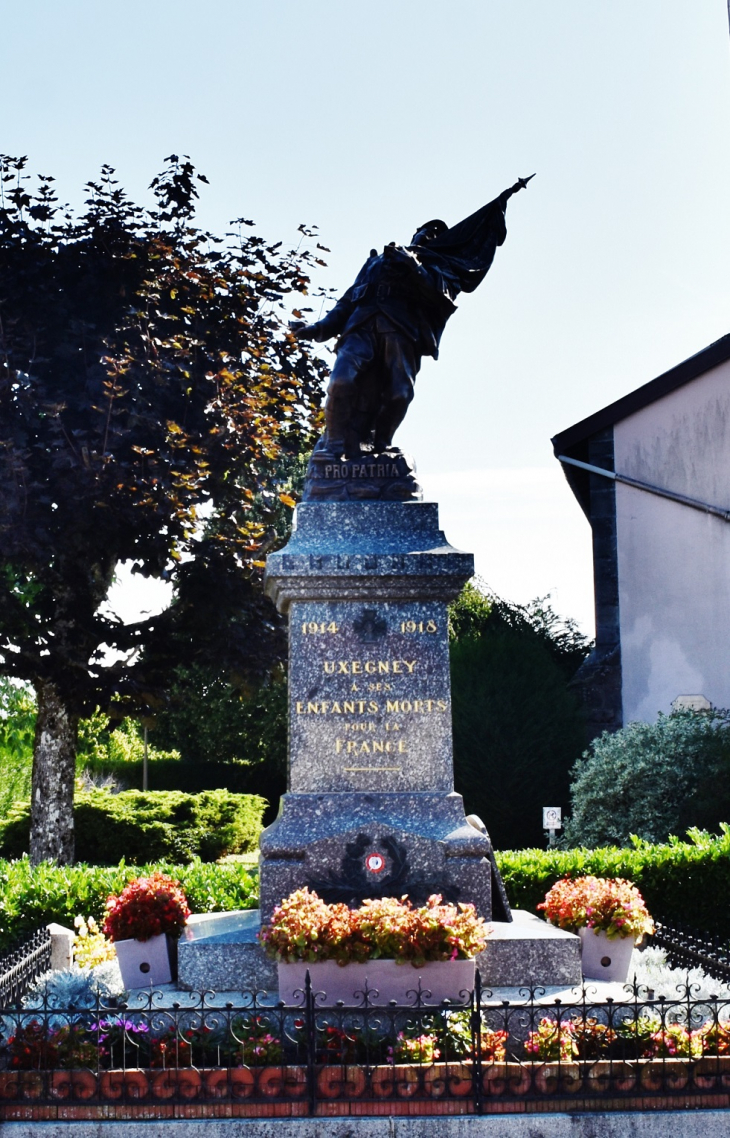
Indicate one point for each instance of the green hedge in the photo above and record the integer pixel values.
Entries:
(33, 896)
(150, 826)
(686, 882)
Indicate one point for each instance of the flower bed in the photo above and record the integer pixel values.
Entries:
(605, 904)
(305, 928)
(147, 907)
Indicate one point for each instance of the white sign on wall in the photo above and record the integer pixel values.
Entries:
(552, 818)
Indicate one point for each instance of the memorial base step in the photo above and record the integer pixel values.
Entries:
(220, 951)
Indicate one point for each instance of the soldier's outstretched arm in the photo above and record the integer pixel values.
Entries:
(330, 325)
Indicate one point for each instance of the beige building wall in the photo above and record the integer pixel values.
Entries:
(673, 561)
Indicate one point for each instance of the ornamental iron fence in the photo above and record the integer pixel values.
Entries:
(160, 1049)
(20, 968)
(688, 948)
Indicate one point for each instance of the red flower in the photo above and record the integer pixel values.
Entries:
(145, 908)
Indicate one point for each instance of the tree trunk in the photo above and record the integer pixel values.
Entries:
(54, 772)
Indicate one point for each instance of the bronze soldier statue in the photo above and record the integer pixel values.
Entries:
(393, 314)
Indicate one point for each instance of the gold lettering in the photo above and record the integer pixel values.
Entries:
(378, 747)
(371, 770)
(349, 705)
(336, 709)
(342, 667)
(406, 706)
(442, 704)
(391, 705)
(369, 667)
(364, 749)
(396, 667)
(383, 666)
(402, 747)
(313, 707)
(356, 667)
(300, 707)
(329, 667)
(372, 707)
(410, 664)
(338, 745)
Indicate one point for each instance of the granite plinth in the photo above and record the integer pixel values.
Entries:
(529, 952)
(370, 810)
(369, 697)
(220, 952)
(387, 475)
(354, 846)
(366, 550)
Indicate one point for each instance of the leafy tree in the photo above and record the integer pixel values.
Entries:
(518, 728)
(652, 780)
(147, 380)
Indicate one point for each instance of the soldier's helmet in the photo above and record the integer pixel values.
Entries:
(428, 231)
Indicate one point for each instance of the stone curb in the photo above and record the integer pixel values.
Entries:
(623, 1124)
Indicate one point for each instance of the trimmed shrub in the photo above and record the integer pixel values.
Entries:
(653, 780)
(33, 896)
(682, 882)
(150, 826)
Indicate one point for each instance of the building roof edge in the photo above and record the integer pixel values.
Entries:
(711, 356)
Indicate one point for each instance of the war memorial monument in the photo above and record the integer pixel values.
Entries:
(364, 580)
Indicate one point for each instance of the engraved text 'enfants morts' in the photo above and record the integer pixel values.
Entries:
(369, 696)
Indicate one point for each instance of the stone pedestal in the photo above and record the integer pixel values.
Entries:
(371, 809)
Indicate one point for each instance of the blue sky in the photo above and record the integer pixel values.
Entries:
(368, 118)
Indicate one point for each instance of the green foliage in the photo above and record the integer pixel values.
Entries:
(148, 381)
(150, 826)
(105, 743)
(32, 896)
(652, 779)
(172, 774)
(517, 726)
(681, 881)
(209, 719)
(147, 371)
(17, 727)
(469, 613)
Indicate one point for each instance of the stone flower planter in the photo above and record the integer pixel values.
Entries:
(234, 1083)
(557, 1078)
(129, 1084)
(448, 1080)
(277, 1082)
(344, 1081)
(504, 1079)
(181, 1082)
(604, 959)
(145, 962)
(385, 980)
(712, 1072)
(77, 1084)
